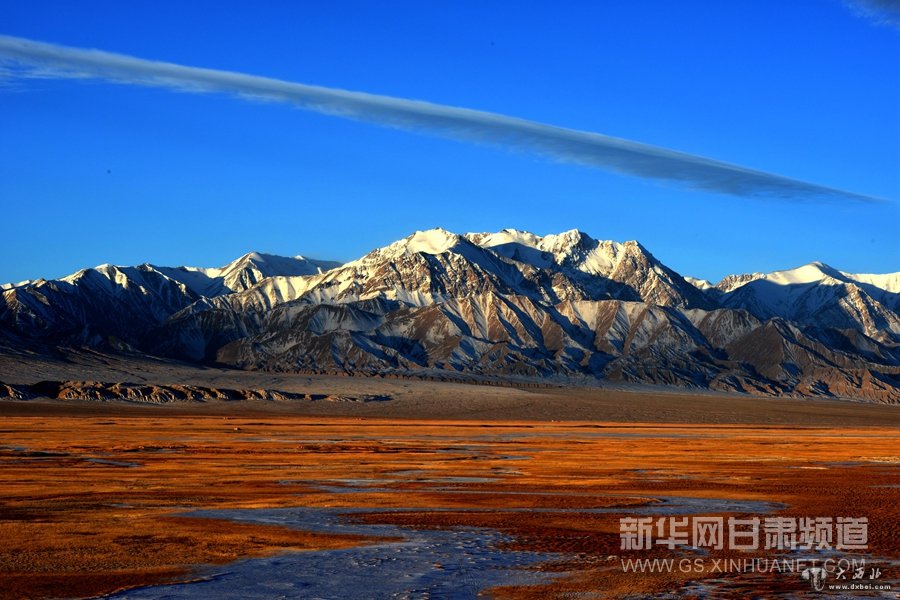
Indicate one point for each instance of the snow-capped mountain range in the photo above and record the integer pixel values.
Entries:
(505, 304)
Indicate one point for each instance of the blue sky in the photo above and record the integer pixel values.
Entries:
(94, 172)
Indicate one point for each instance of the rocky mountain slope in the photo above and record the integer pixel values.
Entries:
(509, 304)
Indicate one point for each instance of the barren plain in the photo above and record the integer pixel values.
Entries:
(106, 497)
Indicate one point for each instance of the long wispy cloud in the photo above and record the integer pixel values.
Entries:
(23, 58)
(881, 12)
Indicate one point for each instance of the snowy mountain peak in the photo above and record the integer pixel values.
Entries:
(504, 237)
(816, 293)
(238, 275)
(435, 241)
(253, 257)
(431, 241)
(732, 282)
(889, 282)
(253, 267)
(574, 236)
(106, 269)
(700, 284)
(813, 272)
(568, 242)
(573, 249)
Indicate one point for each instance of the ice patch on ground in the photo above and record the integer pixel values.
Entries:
(459, 563)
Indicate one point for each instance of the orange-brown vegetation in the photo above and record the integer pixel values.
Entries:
(91, 504)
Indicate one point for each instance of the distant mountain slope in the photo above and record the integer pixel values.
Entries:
(504, 304)
(120, 305)
(820, 296)
(244, 272)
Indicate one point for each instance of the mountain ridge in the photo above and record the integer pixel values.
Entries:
(503, 304)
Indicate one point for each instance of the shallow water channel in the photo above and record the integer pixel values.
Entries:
(425, 564)
(457, 563)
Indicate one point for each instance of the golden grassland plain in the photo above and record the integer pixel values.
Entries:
(92, 502)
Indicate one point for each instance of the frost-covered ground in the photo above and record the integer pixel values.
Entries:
(459, 563)
(425, 564)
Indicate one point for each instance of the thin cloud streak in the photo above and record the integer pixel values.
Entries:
(23, 56)
(880, 12)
